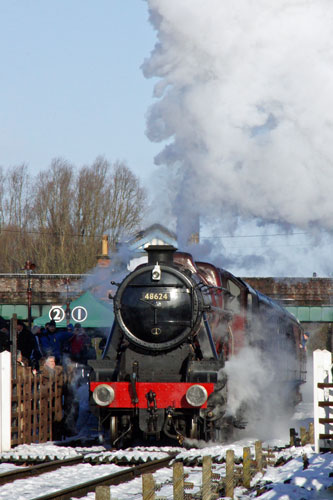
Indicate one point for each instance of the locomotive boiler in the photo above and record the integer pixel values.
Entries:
(177, 323)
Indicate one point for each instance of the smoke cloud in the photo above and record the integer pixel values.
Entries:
(244, 106)
(256, 388)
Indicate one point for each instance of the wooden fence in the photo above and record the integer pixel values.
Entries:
(322, 400)
(36, 406)
(213, 485)
(31, 405)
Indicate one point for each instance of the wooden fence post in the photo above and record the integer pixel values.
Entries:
(178, 481)
(311, 433)
(292, 434)
(258, 450)
(148, 487)
(246, 467)
(102, 493)
(207, 478)
(304, 436)
(229, 483)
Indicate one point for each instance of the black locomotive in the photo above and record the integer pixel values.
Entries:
(177, 323)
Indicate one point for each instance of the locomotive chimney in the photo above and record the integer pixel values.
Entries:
(104, 259)
(163, 254)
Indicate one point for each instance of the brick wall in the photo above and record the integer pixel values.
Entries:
(52, 289)
(46, 289)
(302, 291)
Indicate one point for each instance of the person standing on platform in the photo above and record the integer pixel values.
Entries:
(52, 342)
(25, 341)
(79, 344)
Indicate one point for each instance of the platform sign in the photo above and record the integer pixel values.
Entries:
(79, 314)
(57, 313)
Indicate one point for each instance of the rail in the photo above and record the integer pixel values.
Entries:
(36, 470)
(111, 479)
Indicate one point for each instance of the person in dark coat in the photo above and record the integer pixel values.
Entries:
(4, 335)
(25, 340)
(52, 341)
(4, 339)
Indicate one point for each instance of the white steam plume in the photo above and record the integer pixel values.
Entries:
(258, 388)
(245, 101)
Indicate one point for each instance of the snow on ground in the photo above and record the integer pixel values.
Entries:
(288, 482)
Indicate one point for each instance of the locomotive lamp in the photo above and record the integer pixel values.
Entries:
(103, 395)
(156, 273)
(196, 395)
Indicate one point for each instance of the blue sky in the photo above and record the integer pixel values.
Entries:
(71, 84)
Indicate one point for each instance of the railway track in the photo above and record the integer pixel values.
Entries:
(36, 470)
(83, 488)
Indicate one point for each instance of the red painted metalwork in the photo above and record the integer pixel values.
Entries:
(167, 394)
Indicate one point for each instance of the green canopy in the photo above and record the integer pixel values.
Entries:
(87, 310)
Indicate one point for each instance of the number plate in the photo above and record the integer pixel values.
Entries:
(155, 296)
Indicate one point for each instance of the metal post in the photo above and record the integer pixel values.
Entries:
(13, 344)
(29, 267)
(68, 309)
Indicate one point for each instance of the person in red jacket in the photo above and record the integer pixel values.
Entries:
(79, 344)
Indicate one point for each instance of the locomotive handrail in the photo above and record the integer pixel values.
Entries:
(210, 337)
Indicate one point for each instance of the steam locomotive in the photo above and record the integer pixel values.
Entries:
(177, 324)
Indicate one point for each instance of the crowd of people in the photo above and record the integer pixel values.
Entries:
(50, 352)
(71, 343)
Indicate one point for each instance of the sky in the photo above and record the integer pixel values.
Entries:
(71, 84)
(224, 110)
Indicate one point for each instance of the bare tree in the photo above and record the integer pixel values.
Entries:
(126, 202)
(53, 205)
(15, 203)
(60, 222)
